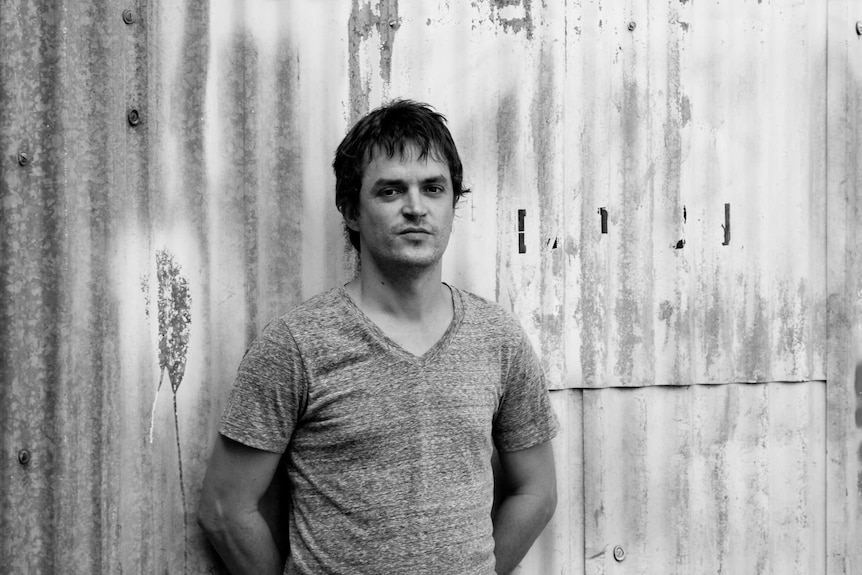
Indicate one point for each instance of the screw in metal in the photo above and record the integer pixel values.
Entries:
(128, 16)
(393, 23)
(632, 26)
(619, 553)
(134, 118)
(23, 457)
(23, 158)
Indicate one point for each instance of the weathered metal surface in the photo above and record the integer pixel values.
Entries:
(754, 154)
(705, 479)
(148, 251)
(560, 548)
(844, 277)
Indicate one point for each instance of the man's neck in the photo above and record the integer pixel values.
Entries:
(404, 296)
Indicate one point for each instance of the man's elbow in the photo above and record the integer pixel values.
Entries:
(549, 505)
(211, 517)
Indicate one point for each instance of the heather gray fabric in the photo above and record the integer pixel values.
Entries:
(389, 454)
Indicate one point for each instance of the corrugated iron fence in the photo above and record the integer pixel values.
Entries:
(665, 192)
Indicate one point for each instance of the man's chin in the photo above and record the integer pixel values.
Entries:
(413, 260)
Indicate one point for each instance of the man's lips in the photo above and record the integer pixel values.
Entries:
(414, 231)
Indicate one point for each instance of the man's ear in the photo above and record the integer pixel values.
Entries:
(351, 218)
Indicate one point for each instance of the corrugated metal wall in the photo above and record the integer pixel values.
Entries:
(166, 190)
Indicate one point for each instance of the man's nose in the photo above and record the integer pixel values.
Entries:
(414, 203)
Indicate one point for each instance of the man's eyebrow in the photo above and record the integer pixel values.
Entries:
(441, 179)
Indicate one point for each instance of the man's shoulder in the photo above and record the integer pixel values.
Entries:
(324, 303)
(319, 312)
(487, 313)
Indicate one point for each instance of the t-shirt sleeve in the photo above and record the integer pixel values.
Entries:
(269, 393)
(525, 417)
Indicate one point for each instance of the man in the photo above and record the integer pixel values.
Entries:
(385, 398)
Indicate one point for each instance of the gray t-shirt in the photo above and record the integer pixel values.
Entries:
(389, 454)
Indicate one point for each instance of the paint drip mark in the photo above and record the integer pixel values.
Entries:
(174, 308)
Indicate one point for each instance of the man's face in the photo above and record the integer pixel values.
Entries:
(405, 210)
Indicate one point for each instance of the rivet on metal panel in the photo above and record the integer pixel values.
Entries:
(393, 23)
(619, 553)
(128, 17)
(632, 26)
(859, 27)
(23, 158)
(23, 456)
(134, 117)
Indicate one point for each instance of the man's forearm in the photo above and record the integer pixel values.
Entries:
(519, 520)
(245, 544)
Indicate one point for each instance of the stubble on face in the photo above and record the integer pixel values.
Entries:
(405, 211)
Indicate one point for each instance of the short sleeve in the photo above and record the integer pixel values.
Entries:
(269, 394)
(525, 417)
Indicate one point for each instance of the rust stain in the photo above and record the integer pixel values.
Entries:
(507, 150)
(754, 363)
(793, 315)
(364, 20)
(545, 120)
(635, 253)
(359, 28)
(514, 24)
(685, 110)
(857, 386)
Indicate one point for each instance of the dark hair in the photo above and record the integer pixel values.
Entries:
(392, 128)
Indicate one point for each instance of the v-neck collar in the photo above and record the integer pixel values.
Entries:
(395, 348)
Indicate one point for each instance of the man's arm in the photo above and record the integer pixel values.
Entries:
(236, 479)
(528, 503)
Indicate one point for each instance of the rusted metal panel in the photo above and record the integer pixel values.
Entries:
(627, 294)
(754, 162)
(705, 479)
(844, 277)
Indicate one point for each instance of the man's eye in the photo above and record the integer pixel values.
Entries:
(434, 189)
(389, 192)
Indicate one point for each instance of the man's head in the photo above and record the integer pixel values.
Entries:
(392, 130)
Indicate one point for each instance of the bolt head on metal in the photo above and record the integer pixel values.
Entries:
(134, 118)
(23, 457)
(632, 26)
(859, 27)
(393, 23)
(23, 158)
(128, 17)
(619, 553)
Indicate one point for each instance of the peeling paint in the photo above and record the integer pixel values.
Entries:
(514, 16)
(363, 22)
